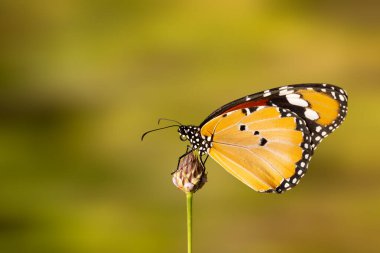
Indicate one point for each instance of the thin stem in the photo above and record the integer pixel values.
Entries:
(189, 200)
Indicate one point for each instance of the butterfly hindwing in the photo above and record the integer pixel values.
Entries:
(266, 147)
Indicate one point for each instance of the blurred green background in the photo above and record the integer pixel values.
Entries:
(82, 80)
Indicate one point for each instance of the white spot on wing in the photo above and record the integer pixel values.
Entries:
(267, 93)
(311, 114)
(285, 92)
(293, 95)
(296, 101)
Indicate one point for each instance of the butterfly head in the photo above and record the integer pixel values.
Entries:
(187, 132)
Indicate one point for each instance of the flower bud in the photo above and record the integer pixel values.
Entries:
(190, 175)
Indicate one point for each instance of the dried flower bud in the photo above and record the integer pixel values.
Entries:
(190, 175)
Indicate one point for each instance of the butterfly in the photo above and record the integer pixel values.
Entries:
(266, 139)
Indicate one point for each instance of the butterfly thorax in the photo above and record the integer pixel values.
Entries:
(196, 139)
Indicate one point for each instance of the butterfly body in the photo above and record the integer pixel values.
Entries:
(266, 139)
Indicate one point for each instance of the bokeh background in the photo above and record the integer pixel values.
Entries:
(82, 80)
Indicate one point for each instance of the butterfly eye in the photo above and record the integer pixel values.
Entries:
(183, 137)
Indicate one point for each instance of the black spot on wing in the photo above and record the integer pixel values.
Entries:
(263, 141)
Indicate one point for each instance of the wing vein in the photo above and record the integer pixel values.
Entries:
(242, 167)
(259, 157)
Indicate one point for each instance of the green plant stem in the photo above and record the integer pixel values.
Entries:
(189, 202)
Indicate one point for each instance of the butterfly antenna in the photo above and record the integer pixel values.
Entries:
(172, 120)
(142, 137)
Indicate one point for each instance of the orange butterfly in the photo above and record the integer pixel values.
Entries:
(266, 139)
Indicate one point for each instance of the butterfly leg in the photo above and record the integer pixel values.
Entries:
(204, 161)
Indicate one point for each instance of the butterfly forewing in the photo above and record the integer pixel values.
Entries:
(265, 147)
(322, 106)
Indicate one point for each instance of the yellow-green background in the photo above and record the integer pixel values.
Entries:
(82, 80)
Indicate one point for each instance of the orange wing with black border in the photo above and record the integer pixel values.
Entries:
(266, 147)
(266, 139)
